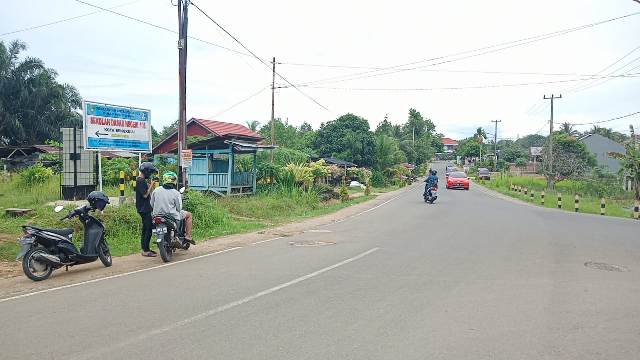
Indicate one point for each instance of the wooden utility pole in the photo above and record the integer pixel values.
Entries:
(273, 102)
(182, 86)
(495, 145)
(550, 155)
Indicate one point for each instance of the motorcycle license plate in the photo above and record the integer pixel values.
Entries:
(160, 231)
(26, 243)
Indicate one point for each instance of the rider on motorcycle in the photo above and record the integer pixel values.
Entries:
(432, 181)
(166, 200)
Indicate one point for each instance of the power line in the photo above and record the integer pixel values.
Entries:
(577, 86)
(161, 27)
(631, 75)
(605, 121)
(600, 82)
(440, 70)
(239, 102)
(500, 46)
(256, 56)
(65, 20)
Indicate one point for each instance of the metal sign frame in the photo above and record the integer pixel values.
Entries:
(133, 111)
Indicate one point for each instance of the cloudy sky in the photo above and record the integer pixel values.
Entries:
(321, 45)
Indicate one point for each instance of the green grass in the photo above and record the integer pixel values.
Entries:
(618, 207)
(213, 216)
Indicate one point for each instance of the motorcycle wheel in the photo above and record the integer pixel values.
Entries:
(36, 270)
(104, 254)
(166, 252)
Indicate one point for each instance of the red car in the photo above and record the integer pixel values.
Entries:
(458, 180)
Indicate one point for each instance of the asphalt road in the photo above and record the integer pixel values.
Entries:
(471, 277)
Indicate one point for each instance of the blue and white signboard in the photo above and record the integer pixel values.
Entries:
(116, 128)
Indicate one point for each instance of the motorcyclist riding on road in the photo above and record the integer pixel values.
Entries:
(432, 181)
(166, 200)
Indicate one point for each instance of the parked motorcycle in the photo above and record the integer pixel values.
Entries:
(430, 198)
(170, 235)
(45, 250)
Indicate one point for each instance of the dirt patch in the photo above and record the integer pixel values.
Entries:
(14, 283)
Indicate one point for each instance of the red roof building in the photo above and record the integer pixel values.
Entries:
(211, 129)
(450, 145)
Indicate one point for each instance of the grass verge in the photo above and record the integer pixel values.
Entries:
(588, 204)
(213, 216)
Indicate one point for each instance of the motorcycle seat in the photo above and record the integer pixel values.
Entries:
(61, 232)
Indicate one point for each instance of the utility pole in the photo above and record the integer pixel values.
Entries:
(495, 145)
(550, 156)
(273, 101)
(182, 86)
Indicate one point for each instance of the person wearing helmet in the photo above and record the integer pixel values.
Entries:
(432, 181)
(166, 200)
(145, 185)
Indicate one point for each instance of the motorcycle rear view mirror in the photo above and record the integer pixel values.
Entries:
(58, 208)
(182, 190)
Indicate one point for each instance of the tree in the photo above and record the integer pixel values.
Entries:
(416, 125)
(305, 127)
(385, 127)
(533, 140)
(630, 161)
(568, 129)
(571, 159)
(33, 105)
(386, 148)
(349, 137)
(510, 151)
(253, 124)
(609, 133)
(286, 134)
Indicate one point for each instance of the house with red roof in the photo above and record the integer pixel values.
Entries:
(450, 145)
(215, 145)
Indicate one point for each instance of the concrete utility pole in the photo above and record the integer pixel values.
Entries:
(273, 101)
(182, 86)
(495, 145)
(550, 158)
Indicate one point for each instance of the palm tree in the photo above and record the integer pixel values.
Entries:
(253, 124)
(568, 129)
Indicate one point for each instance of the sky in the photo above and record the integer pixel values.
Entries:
(112, 59)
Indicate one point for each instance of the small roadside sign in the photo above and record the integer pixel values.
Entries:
(187, 157)
(116, 128)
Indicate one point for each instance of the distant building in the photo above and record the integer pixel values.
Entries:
(450, 145)
(600, 147)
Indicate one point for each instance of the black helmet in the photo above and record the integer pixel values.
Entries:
(434, 173)
(98, 200)
(147, 169)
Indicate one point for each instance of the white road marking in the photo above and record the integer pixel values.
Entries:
(117, 275)
(264, 241)
(219, 309)
(318, 231)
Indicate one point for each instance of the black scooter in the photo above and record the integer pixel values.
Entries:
(169, 234)
(44, 250)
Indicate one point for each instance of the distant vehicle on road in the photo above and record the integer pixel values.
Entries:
(449, 169)
(458, 180)
(484, 174)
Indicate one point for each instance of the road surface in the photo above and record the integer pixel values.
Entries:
(473, 276)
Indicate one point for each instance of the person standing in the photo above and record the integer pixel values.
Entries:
(145, 184)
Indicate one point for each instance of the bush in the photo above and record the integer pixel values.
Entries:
(111, 169)
(378, 179)
(344, 193)
(35, 175)
(326, 192)
(206, 212)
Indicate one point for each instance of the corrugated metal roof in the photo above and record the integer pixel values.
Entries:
(449, 141)
(228, 129)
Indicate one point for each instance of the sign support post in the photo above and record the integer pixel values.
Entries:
(99, 171)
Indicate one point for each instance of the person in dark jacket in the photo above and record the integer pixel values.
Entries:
(432, 181)
(145, 184)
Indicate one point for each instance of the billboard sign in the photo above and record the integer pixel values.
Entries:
(116, 128)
